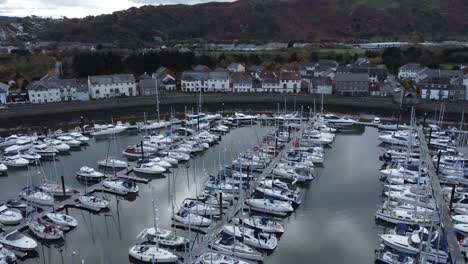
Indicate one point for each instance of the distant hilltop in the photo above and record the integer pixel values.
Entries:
(279, 20)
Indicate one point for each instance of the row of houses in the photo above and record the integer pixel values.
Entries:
(436, 84)
(52, 88)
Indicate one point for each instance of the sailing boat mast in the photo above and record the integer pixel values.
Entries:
(157, 96)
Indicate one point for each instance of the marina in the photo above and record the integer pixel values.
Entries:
(253, 174)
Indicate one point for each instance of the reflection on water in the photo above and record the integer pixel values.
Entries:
(334, 223)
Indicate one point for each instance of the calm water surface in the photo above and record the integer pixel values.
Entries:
(334, 223)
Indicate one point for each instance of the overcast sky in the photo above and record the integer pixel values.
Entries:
(79, 8)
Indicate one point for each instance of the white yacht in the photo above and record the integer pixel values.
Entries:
(78, 136)
(217, 258)
(400, 216)
(262, 223)
(337, 121)
(8, 141)
(93, 202)
(148, 167)
(89, 174)
(412, 245)
(44, 150)
(199, 208)
(14, 161)
(230, 246)
(101, 130)
(3, 168)
(70, 141)
(17, 241)
(252, 238)
(21, 143)
(121, 186)
(63, 221)
(274, 207)
(187, 218)
(113, 163)
(293, 173)
(152, 254)
(44, 230)
(10, 216)
(164, 237)
(35, 195)
(151, 125)
(57, 144)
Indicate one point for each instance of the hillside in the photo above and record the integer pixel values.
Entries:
(302, 20)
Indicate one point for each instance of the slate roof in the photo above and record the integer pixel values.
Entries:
(241, 78)
(351, 77)
(111, 79)
(47, 84)
(194, 76)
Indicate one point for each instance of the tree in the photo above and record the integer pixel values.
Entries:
(313, 57)
(293, 57)
(279, 59)
(393, 59)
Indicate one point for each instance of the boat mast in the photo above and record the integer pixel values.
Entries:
(157, 96)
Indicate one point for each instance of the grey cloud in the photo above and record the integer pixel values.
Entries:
(188, 2)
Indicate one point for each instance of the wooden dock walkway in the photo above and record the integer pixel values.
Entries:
(446, 222)
(238, 206)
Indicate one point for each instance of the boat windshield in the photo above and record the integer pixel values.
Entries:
(14, 236)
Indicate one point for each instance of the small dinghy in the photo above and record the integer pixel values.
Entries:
(152, 254)
(10, 216)
(217, 258)
(45, 230)
(35, 195)
(264, 224)
(122, 187)
(17, 241)
(274, 207)
(93, 202)
(199, 208)
(63, 221)
(89, 174)
(252, 237)
(230, 246)
(111, 162)
(187, 218)
(163, 237)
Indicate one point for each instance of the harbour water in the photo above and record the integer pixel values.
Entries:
(334, 224)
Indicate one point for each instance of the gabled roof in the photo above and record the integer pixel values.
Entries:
(321, 81)
(256, 68)
(191, 76)
(351, 77)
(218, 75)
(111, 79)
(290, 76)
(241, 78)
(47, 84)
(201, 68)
(269, 77)
(412, 67)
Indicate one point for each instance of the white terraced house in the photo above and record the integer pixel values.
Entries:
(193, 81)
(53, 90)
(115, 85)
(218, 81)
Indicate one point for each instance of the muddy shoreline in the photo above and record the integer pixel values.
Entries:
(68, 114)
